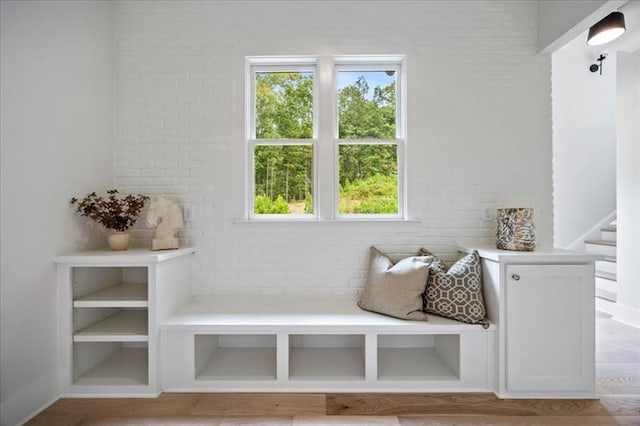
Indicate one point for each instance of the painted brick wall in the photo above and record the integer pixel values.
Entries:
(479, 127)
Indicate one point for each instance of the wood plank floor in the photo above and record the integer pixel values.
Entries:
(618, 384)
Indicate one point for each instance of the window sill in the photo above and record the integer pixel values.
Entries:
(321, 222)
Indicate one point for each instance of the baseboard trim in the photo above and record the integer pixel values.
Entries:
(627, 314)
(30, 400)
(606, 306)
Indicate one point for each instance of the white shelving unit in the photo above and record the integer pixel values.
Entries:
(111, 305)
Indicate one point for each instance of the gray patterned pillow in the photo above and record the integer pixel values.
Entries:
(396, 289)
(456, 293)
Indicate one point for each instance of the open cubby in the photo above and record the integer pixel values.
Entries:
(235, 357)
(326, 357)
(419, 357)
(110, 325)
(110, 364)
(102, 287)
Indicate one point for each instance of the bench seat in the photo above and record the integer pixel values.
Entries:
(290, 314)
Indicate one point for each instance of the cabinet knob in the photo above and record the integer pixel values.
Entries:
(515, 277)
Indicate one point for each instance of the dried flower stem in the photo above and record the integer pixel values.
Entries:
(118, 214)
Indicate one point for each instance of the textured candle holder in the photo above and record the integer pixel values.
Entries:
(515, 229)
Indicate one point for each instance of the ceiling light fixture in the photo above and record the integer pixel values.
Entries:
(607, 29)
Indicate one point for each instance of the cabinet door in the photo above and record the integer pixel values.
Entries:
(550, 335)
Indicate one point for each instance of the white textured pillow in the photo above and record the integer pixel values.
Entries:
(396, 290)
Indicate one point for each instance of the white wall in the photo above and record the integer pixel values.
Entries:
(479, 127)
(584, 140)
(628, 132)
(56, 113)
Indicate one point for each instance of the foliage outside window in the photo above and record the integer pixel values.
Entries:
(368, 172)
(283, 124)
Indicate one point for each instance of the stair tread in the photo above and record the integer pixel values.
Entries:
(606, 275)
(601, 242)
(610, 228)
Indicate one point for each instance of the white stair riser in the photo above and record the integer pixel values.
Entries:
(609, 235)
(601, 249)
(605, 305)
(605, 266)
(606, 287)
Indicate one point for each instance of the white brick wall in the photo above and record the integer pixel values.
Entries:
(479, 127)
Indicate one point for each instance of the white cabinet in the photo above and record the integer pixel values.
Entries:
(544, 305)
(110, 306)
(549, 335)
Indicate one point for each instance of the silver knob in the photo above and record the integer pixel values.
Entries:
(515, 277)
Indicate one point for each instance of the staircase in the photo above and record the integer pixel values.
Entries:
(606, 288)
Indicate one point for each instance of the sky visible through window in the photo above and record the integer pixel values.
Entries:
(373, 78)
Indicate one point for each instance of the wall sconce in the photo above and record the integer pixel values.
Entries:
(596, 67)
(607, 29)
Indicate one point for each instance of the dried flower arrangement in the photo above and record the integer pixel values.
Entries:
(118, 214)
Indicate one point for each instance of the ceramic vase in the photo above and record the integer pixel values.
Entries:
(515, 229)
(119, 241)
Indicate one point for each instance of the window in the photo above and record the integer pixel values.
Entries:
(369, 140)
(286, 133)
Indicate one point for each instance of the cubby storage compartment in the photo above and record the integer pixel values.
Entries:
(106, 287)
(419, 357)
(110, 364)
(110, 325)
(235, 357)
(326, 357)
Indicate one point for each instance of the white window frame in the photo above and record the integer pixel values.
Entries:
(262, 64)
(373, 63)
(325, 84)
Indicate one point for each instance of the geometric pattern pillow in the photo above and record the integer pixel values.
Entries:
(456, 293)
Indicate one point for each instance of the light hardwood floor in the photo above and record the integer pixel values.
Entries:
(618, 384)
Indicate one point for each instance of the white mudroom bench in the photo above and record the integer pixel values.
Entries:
(129, 327)
(277, 343)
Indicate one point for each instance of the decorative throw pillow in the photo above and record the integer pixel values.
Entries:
(395, 289)
(456, 293)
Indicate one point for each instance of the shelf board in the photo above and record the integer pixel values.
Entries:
(127, 367)
(413, 364)
(124, 326)
(126, 295)
(240, 364)
(326, 364)
(136, 256)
